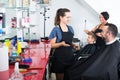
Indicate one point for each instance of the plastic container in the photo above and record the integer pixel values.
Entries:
(14, 53)
(16, 75)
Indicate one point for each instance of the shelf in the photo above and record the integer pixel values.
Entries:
(7, 36)
(33, 25)
(18, 15)
(22, 8)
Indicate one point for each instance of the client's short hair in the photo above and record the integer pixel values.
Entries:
(112, 28)
(92, 34)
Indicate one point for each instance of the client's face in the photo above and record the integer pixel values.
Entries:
(90, 39)
(105, 33)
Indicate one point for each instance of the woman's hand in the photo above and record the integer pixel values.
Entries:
(56, 45)
(99, 34)
(64, 44)
(86, 31)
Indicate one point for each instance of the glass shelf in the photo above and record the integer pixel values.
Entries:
(22, 8)
(32, 25)
(3, 3)
(20, 11)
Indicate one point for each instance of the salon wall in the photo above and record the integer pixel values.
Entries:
(82, 17)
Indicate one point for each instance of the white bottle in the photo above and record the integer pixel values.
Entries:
(16, 75)
(3, 58)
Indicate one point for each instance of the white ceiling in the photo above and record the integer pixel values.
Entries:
(112, 6)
